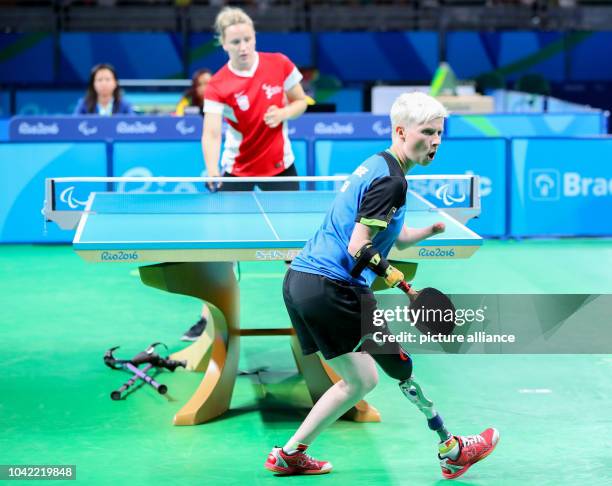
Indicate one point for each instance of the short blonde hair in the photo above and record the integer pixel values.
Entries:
(229, 16)
(415, 109)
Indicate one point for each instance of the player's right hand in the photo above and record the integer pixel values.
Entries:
(393, 276)
(214, 186)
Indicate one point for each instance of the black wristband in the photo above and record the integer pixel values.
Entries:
(370, 257)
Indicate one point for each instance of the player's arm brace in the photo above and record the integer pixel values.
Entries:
(368, 256)
(363, 235)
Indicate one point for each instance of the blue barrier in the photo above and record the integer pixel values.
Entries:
(561, 187)
(172, 159)
(92, 128)
(23, 169)
(4, 132)
(340, 126)
(5, 104)
(485, 157)
(43, 102)
(529, 125)
(530, 186)
(88, 128)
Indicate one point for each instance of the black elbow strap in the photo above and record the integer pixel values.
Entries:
(370, 257)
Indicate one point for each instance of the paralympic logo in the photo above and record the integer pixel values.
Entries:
(86, 130)
(67, 196)
(381, 129)
(184, 129)
(443, 193)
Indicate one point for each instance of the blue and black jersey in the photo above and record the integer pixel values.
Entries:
(374, 195)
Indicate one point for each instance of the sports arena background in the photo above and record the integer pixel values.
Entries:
(540, 146)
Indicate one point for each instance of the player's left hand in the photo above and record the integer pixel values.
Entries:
(274, 116)
(438, 228)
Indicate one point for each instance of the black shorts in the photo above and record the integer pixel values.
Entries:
(265, 186)
(326, 314)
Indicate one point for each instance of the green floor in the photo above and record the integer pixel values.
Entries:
(60, 314)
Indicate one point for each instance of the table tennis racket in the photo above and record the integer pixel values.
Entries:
(427, 299)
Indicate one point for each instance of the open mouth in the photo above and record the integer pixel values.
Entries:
(431, 155)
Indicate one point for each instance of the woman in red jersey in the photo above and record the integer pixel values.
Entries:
(256, 93)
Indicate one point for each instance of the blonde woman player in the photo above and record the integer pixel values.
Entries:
(256, 93)
(327, 292)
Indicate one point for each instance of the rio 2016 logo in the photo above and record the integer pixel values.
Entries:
(437, 252)
(276, 254)
(119, 256)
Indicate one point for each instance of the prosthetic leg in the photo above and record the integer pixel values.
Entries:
(415, 394)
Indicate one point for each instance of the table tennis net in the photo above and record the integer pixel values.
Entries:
(66, 198)
(218, 203)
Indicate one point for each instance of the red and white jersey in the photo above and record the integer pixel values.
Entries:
(242, 98)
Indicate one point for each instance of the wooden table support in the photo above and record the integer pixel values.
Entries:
(217, 351)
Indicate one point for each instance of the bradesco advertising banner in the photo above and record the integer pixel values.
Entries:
(23, 170)
(171, 159)
(483, 157)
(561, 187)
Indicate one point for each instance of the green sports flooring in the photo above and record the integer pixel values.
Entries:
(59, 315)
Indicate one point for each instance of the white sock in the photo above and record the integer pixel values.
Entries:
(449, 448)
(292, 447)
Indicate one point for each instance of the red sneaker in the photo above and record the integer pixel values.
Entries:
(298, 463)
(473, 448)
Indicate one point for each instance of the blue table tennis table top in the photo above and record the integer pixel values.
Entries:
(234, 226)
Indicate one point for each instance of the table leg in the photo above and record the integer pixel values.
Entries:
(218, 349)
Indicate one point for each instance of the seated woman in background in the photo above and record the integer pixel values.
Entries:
(103, 95)
(193, 100)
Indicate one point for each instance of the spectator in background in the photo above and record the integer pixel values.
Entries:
(192, 101)
(103, 95)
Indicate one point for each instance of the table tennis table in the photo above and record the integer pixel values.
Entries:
(234, 226)
(196, 237)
